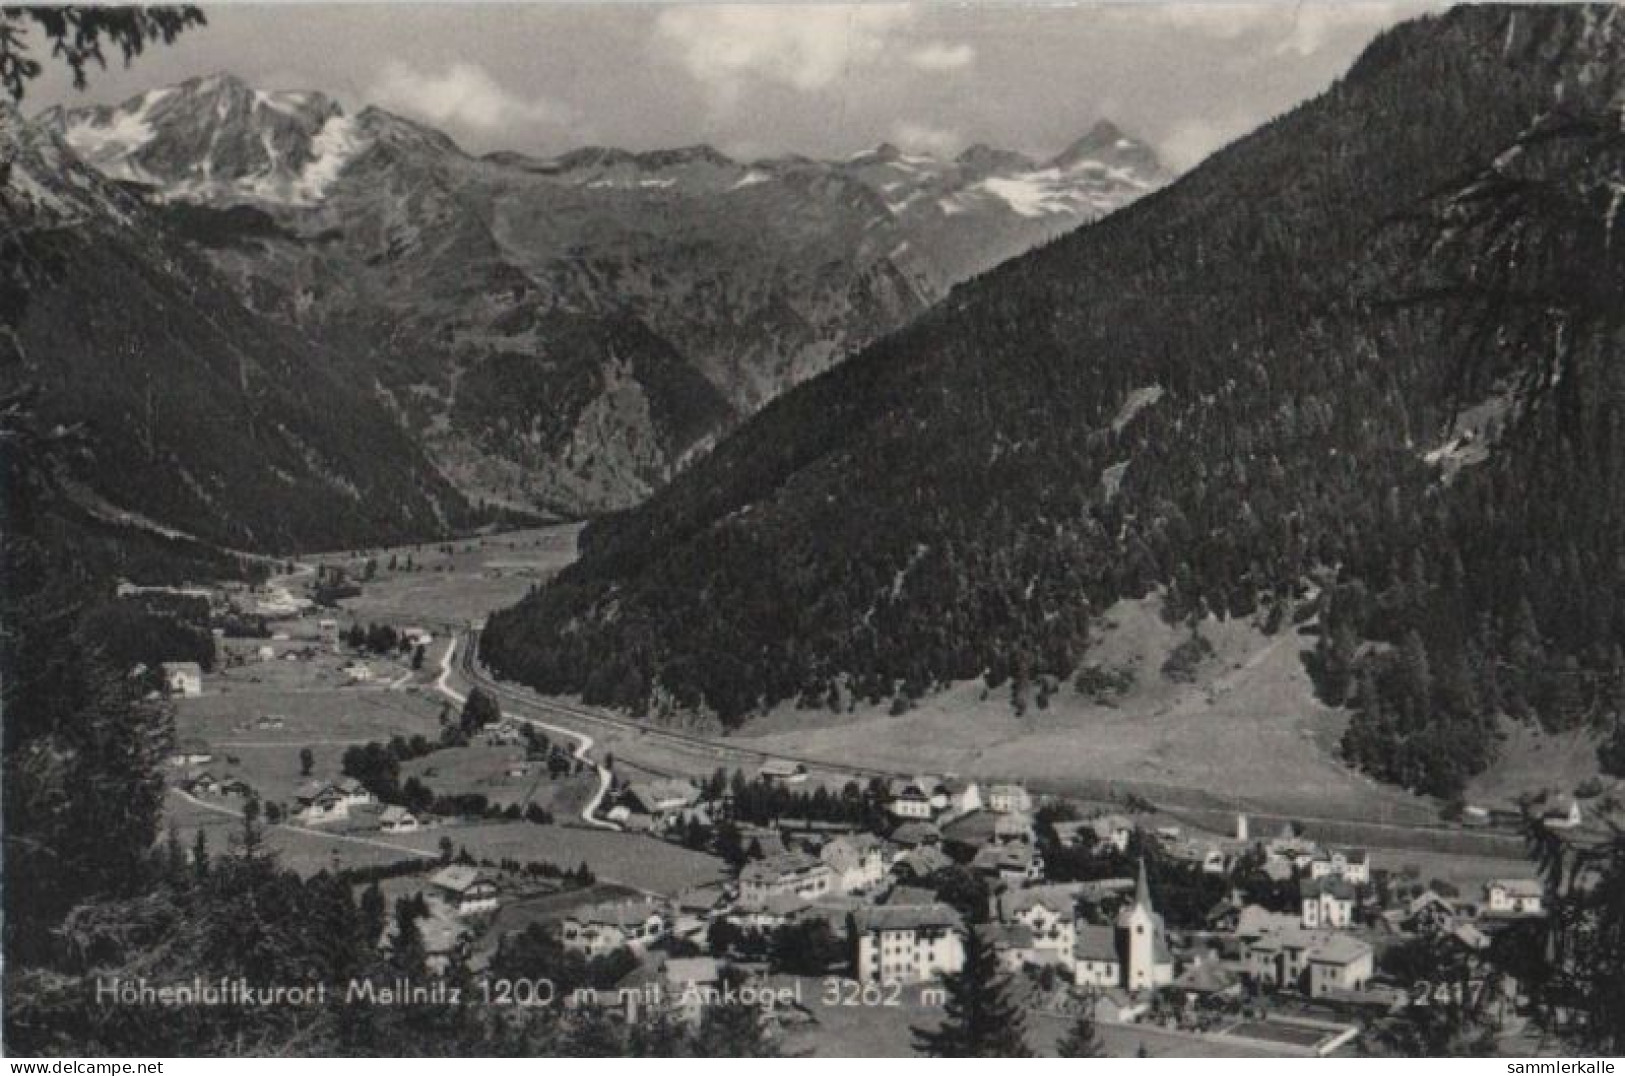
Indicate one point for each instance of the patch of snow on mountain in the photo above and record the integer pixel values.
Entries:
(750, 179)
(1030, 195)
(336, 145)
(109, 146)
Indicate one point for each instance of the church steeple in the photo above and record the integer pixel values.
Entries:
(1142, 889)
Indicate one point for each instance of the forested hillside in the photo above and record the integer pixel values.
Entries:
(196, 412)
(1358, 358)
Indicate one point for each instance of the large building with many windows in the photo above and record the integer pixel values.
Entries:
(912, 943)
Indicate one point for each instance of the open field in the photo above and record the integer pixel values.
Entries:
(306, 851)
(1246, 735)
(327, 720)
(1531, 760)
(478, 575)
(483, 769)
(1248, 731)
(640, 862)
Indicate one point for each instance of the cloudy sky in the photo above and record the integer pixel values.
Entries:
(756, 80)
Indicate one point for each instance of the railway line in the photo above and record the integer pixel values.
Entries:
(473, 672)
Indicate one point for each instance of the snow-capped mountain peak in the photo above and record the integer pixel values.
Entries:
(216, 138)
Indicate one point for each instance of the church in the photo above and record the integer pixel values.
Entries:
(1133, 953)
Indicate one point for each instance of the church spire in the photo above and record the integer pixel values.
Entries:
(1142, 890)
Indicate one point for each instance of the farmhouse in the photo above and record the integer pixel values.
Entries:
(204, 784)
(661, 800)
(602, 928)
(787, 872)
(919, 798)
(1513, 896)
(183, 678)
(1012, 863)
(1560, 811)
(1429, 911)
(319, 804)
(784, 773)
(191, 752)
(912, 943)
(466, 890)
(398, 820)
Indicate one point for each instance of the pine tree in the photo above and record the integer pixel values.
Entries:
(1080, 1039)
(373, 912)
(979, 1019)
(733, 1031)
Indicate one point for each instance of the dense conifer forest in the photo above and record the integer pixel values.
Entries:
(1356, 364)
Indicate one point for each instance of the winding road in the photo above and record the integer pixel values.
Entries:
(583, 742)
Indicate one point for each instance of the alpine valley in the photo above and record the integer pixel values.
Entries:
(560, 336)
(1332, 372)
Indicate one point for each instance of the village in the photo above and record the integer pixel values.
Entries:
(839, 900)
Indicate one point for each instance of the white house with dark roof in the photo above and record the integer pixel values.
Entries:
(912, 943)
(1049, 913)
(465, 889)
(1096, 959)
(787, 872)
(395, 819)
(1009, 798)
(191, 751)
(1327, 903)
(1514, 896)
(1352, 865)
(662, 799)
(917, 798)
(1013, 864)
(602, 928)
(184, 678)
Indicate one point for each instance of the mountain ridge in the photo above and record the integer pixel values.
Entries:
(431, 270)
(1230, 393)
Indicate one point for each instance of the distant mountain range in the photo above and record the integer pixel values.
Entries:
(1363, 363)
(567, 333)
